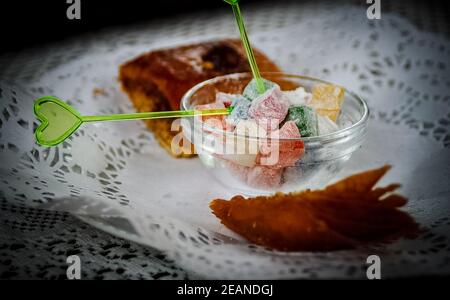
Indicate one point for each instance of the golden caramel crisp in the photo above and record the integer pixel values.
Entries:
(342, 216)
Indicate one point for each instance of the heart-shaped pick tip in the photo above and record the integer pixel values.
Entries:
(58, 120)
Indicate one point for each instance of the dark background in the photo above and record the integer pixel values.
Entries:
(26, 23)
(30, 23)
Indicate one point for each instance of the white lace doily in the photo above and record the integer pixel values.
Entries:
(117, 178)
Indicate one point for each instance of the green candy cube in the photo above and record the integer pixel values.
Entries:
(306, 120)
(251, 90)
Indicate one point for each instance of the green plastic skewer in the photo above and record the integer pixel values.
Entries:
(157, 115)
(248, 49)
(59, 120)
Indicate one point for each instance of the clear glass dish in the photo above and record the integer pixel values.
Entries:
(323, 156)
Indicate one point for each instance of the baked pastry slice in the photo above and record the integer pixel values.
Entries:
(157, 80)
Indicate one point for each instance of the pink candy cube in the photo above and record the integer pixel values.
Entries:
(217, 122)
(278, 151)
(215, 105)
(264, 177)
(269, 109)
(240, 172)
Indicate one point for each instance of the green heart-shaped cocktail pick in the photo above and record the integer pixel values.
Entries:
(59, 120)
(248, 49)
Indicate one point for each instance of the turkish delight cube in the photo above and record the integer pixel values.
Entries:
(269, 109)
(327, 100)
(251, 90)
(305, 118)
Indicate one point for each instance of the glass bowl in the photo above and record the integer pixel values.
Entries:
(322, 156)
